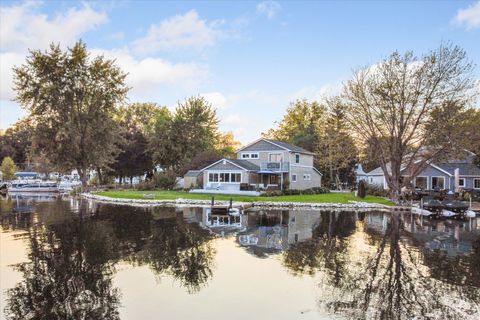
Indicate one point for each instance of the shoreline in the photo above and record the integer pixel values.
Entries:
(180, 202)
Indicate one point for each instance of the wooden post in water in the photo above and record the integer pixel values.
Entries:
(231, 203)
(213, 201)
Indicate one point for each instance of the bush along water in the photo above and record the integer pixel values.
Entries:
(295, 192)
(374, 190)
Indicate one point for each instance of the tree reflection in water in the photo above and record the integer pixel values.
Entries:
(68, 275)
(381, 276)
(72, 257)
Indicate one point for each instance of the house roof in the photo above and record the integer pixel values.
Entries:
(192, 173)
(247, 165)
(377, 171)
(242, 164)
(466, 169)
(281, 144)
(289, 146)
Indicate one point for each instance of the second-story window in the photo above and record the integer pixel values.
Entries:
(250, 155)
(297, 157)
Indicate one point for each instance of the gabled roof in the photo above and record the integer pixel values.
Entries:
(466, 169)
(242, 164)
(284, 145)
(192, 173)
(247, 165)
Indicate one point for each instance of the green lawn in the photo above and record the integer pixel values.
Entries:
(172, 195)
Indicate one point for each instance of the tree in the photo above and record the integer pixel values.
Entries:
(470, 131)
(192, 129)
(8, 168)
(226, 145)
(134, 157)
(16, 141)
(300, 125)
(195, 127)
(336, 150)
(160, 142)
(392, 103)
(200, 161)
(72, 98)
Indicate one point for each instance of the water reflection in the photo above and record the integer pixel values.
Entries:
(364, 265)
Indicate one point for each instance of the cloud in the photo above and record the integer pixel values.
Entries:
(148, 76)
(7, 61)
(469, 17)
(22, 27)
(269, 8)
(179, 32)
(219, 100)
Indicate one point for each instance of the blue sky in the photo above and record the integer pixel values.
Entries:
(249, 59)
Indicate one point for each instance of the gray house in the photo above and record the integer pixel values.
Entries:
(451, 175)
(263, 164)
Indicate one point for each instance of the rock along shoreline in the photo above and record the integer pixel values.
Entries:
(352, 206)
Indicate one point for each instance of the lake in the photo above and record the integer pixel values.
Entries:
(65, 258)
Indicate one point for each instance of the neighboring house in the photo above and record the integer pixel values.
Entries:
(360, 174)
(263, 164)
(451, 175)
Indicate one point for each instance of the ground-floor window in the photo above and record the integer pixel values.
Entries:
(294, 178)
(421, 183)
(438, 182)
(461, 182)
(306, 177)
(224, 177)
(476, 183)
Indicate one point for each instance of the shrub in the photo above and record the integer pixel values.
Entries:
(160, 180)
(273, 193)
(291, 192)
(308, 191)
(165, 180)
(374, 190)
(362, 192)
(320, 190)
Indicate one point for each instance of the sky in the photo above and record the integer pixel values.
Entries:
(250, 59)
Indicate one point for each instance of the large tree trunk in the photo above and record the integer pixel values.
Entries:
(83, 176)
(100, 177)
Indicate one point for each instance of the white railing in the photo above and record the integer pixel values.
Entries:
(274, 166)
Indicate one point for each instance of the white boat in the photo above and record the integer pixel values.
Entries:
(32, 186)
(470, 214)
(422, 212)
(67, 185)
(448, 214)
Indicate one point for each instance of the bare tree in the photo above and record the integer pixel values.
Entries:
(390, 104)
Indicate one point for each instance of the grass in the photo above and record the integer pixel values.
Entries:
(172, 195)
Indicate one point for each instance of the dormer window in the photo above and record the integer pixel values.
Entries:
(297, 157)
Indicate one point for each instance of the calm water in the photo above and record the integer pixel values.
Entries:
(70, 259)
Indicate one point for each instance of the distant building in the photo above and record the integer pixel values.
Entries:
(360, 175)
(451, 175)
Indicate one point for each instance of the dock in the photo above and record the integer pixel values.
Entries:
(222, 209)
